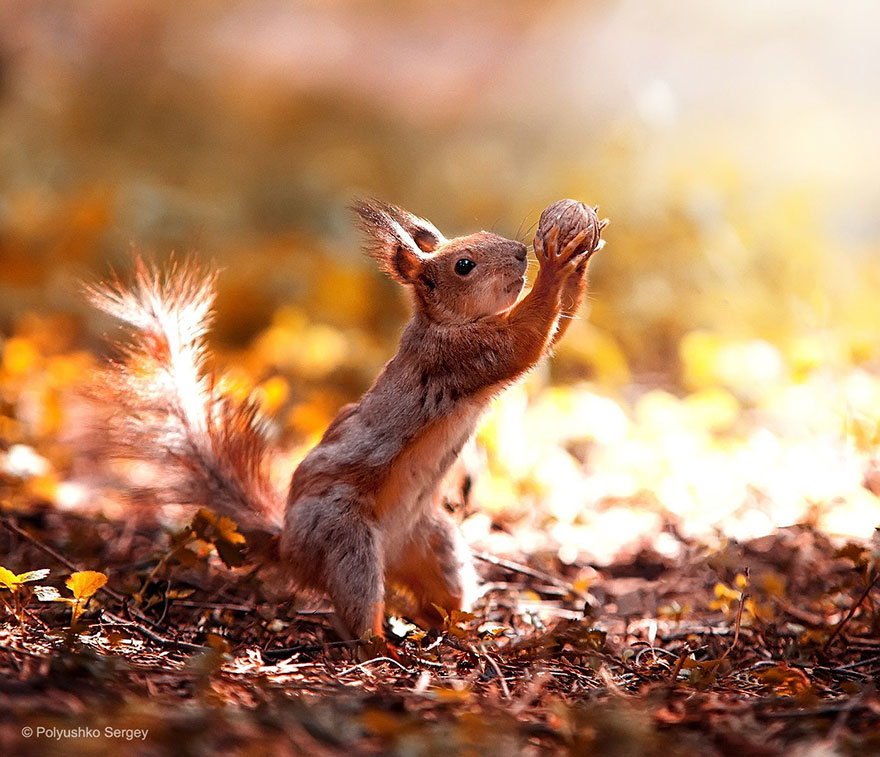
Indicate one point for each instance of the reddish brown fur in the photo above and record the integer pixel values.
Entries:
(361, 510)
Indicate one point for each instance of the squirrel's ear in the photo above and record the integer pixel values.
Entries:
(424, 233)
(393, 246)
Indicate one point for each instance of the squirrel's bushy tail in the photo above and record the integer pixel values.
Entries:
(208, 449)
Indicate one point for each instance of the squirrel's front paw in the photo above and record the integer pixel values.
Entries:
(553, 260)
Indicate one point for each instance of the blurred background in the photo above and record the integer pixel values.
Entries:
(725, 377)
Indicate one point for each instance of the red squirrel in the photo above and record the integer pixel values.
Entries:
(360, 513)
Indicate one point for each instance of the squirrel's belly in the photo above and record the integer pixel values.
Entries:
(417, 471)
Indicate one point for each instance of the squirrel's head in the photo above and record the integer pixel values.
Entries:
(452, 280)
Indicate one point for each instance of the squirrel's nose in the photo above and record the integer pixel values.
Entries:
(520, 252)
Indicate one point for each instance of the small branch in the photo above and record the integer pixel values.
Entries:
(13, 528)
(852, 611)
(151, 635)
(673, 676)
(526, 571)
(363, 665)
(739, 612)
(858, 664)
(494, 665)
(739, 615)
(283, 654)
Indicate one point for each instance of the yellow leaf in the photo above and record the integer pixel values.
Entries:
(228, 530)
(201, 520)
(12, 581)
(85, 583)
(784, 680)
(491, 629)
(8, 579)
(698, 352)
(726, 593)
(460, 616)
(43, 487)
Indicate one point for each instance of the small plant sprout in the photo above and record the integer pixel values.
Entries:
(82, 585)
(14, 583)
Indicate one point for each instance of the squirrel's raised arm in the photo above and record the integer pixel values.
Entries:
(493, 352)
(495, 341)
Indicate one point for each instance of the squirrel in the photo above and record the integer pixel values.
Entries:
(360, 513)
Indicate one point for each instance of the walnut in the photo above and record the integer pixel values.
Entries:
(572, 217)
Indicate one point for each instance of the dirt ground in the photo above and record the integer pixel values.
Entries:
(767, 647)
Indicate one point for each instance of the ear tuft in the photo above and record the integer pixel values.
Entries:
(426, 236)
(395, 239)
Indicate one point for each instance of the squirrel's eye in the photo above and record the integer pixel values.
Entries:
(464, 266)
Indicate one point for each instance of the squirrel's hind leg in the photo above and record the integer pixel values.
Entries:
(355, 581)
(436, 565)
(338, 550)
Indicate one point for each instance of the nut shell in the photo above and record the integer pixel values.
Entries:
(572, 217)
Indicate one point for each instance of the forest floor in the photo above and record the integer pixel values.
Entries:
(645, 591)
(766, 647)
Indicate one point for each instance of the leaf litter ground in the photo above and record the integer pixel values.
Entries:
(770, 646)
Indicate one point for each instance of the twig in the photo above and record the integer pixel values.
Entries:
(737, 623)
(857, 664)
(362, 665)
(673, 676)
(282, 654)
(526, 571)
(852, 611)
(494, 665)
(736, 627)
(866, 645)
(551, 591)
(17, 650)
(12, 528)
(151, 635)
